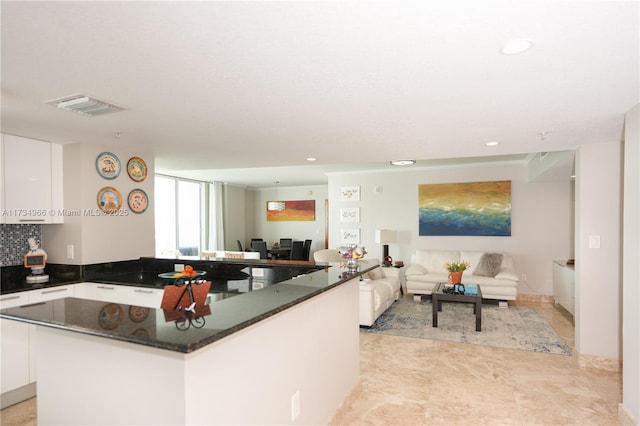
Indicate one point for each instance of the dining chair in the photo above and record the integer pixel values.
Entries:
(297, 250)
(286, 242)
(306, 250)
(260, 246)
(240, 245)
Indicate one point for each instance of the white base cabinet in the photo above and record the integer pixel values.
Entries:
(564, 291)
(18, 342)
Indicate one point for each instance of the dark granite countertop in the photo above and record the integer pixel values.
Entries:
(159, 328)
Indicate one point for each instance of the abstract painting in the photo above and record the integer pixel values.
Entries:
(300, 210)
(472, 208)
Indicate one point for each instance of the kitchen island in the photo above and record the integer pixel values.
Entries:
(283, 354)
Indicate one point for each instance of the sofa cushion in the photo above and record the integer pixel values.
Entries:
(375, 274)
(489, 265)
(434, 260)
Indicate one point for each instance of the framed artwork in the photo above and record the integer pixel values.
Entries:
(470, 209)
(137, 169)
(108, 165)
(350, 236)
(109, 200)
(350, 193)
(350, 214)
(138, 201)
(300, 210)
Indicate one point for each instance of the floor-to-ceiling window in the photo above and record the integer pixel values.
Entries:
(179, 216)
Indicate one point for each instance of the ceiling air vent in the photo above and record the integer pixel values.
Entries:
(84, 105)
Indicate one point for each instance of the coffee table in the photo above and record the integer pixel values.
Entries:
(438, 296)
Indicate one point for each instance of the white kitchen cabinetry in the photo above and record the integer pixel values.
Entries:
(58, 292)
(32, 181)
(15, 357)
(564, 291)
(128, 295)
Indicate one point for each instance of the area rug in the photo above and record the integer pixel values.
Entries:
(513, 327)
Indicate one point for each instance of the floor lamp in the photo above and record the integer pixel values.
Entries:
(385, 237)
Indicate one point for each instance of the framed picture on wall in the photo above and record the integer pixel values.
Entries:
(350, 214)
(350, 236)
(350, 193)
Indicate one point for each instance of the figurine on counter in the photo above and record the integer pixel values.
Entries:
(36, 259)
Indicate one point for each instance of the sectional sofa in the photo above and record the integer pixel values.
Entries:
(493, 271)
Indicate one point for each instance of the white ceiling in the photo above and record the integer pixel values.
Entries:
(240, 91)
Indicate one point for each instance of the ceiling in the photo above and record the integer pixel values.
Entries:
(244, 92)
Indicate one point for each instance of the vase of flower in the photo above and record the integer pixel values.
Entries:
(455, 277)
(456, 269)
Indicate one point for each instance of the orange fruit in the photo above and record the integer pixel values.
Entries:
(188, 268)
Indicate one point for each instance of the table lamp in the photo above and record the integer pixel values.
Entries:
(385, 237)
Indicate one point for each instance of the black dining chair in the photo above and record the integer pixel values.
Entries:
(306, 249)
(240, 245)
(260, 246)
(297, 250)
(286, 242)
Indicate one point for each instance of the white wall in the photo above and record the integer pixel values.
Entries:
(631, 268)
(541, 216)
(298, 230)
(234, 216)
(598, 270)
(100, 238)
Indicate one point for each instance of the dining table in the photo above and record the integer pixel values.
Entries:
(279, 252)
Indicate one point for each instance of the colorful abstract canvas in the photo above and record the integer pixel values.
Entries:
(473, 208)
(300, 210)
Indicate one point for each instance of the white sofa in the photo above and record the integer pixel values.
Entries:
(427, 268)
(379, 288)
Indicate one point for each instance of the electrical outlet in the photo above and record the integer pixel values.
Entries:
(295, 405)
(70, 251)
(178, 267)
(524, 277)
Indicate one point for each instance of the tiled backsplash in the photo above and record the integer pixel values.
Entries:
(13, 240)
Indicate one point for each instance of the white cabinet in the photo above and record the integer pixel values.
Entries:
(31, 181)
(128, 295)
(58, 292)
(564, 291)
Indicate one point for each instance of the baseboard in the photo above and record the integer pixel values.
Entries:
(534, 298)
(599, 362)
(624, 417)
(17, 395)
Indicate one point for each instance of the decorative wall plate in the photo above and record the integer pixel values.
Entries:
(109, 200)
(108, 165)
(137, 169)
(138, 200)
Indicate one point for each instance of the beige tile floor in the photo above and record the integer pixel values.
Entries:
(407, 381)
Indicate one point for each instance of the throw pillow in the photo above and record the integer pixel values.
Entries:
(375, 274)
(231, 255)
(489, 265)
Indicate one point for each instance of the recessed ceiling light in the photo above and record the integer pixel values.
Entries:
(311, 158)
(403, 162)
(516, 46)
(492, 143)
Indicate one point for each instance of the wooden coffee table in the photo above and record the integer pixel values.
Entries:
(438, 296)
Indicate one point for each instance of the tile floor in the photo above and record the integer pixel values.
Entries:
(407, 381)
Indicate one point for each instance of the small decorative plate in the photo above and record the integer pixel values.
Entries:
(110, 316)
(138, 200)
(108, 165)
(109, 200)
(137, 169)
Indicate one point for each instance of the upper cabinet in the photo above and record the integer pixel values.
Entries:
(31, 181)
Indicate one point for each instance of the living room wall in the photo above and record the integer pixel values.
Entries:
(541, 216)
